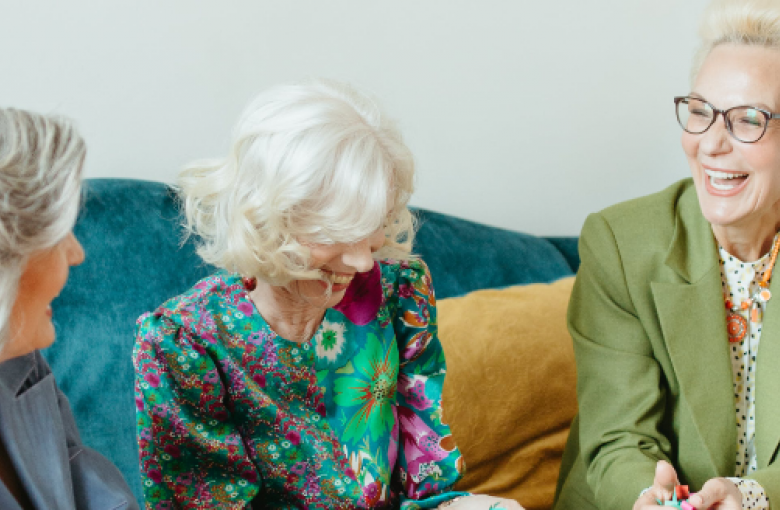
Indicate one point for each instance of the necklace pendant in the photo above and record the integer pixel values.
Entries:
(736, 326)
(765, 295)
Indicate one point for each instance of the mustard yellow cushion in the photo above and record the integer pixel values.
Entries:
(510, 390)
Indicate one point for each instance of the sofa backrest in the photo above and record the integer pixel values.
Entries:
(135, 260)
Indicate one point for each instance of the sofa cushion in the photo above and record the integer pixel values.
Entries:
(465, 256)
(510, 390)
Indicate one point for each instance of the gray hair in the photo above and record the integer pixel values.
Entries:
(316, 162)
(748, 22)
(41, 160)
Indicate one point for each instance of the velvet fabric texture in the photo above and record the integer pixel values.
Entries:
(510, 411)
(135, 260)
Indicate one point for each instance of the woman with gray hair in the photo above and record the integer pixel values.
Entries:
(675, 314)
(308, 373)
(43, 464)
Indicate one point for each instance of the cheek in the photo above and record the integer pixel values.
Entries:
(764, 159)
(690, 144)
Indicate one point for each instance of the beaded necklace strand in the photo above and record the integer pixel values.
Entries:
(737, 325)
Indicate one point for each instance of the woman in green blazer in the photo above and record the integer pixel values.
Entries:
(674, 298)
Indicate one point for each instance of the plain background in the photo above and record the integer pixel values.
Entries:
(525, 115)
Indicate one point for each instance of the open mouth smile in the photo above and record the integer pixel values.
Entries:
(725, 181)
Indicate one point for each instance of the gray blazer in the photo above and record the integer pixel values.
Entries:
(38, 430)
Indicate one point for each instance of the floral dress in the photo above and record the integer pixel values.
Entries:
(231, 415)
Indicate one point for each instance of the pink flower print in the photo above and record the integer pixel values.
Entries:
(312, 486)
(299, 468)
(392, 449)
(293, 436)
(146, 433)
(363, 297)
(405, 290)
(163, 505)
(348, 471)
(246, 308)
(372, 493)
(255, 338)
(139, 403)
(199, 349)
(259, 379)
(185, 479)
(416, 345)
(211, 377)
(420, 443)
(413, 388)
(153, 379)
(250, 475)
(172, 450)
(321, 408)
(155, 475)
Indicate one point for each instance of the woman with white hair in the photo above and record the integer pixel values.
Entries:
(675, 315)
(43, 464)
(308, 373)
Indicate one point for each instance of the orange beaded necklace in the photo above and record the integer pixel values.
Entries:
(736, 324)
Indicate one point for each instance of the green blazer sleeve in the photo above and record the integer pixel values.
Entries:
(621, 400)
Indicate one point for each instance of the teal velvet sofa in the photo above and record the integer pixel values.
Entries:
(135, 260)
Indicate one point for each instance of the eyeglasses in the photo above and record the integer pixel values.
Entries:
(745, 123)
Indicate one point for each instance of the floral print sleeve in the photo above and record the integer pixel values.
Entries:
(191, 455)
(429, 463)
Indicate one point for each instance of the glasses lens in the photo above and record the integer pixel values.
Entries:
(747, 124)
(694, 115)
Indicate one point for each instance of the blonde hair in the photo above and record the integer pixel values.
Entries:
(41, 160)
(314, 162)
(749, 22)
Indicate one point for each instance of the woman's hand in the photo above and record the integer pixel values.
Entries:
(662, 489)
(481, 502)
(718, 493)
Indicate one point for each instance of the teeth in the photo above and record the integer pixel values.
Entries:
(723, 176)
(714, 174)
(339, 280)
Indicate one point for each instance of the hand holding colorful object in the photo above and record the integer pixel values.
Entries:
(679, 499)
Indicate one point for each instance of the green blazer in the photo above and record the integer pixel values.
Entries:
(654, 378)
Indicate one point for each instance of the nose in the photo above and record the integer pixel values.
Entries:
(716, 140)
(358, 256)
(75, 252)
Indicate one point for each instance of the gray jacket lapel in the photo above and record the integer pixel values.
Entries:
(33, 434)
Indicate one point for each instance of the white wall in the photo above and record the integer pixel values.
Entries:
(526, 115)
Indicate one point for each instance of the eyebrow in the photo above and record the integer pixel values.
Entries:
(761, 105)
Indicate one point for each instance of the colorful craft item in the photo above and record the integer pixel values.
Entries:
(679, 498)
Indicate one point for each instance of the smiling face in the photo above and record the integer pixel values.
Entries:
(338, 263)
(738, 184)
(43, 278)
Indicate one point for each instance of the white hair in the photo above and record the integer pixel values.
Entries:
(748, 22)
(314, 162)
(41, 160)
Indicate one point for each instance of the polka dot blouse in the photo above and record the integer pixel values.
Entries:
(740, 282)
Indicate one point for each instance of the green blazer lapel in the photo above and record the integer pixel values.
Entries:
(691, 311)
(768, 380)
